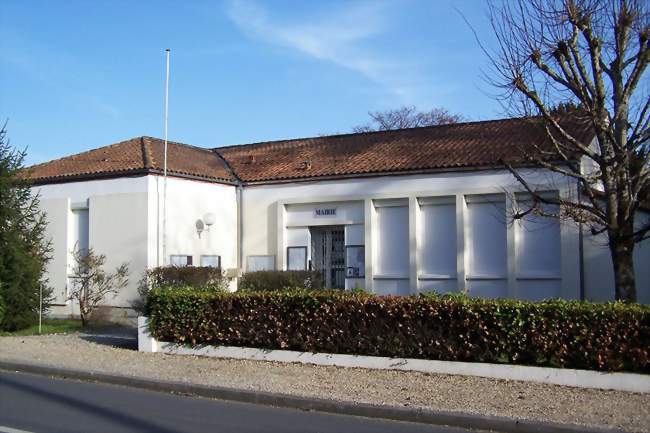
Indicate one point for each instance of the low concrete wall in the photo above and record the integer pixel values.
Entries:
(557, 376)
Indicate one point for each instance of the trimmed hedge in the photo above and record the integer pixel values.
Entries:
(611, 337)
(198, 277)
(262, 281)
(201, 278)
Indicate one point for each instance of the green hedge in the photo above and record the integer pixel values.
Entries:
(612, 337)
(262, 281)
(201, 278)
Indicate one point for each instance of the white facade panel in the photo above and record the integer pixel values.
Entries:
(188, 201)
(392, 247)
(57, 210)
(486, 240)
(118, 229)
(538, 246)
(391, 286)
(437, 240)
(354, 234)
(437, 285)
(538, 289)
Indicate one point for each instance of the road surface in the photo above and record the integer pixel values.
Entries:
(39, 404)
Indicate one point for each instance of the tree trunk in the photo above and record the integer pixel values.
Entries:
(623, 259)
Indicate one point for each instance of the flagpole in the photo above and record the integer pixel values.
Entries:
(164, 226)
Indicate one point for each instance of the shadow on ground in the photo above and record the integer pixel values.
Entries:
(123, 337)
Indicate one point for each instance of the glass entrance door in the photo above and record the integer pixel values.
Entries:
(328, 254)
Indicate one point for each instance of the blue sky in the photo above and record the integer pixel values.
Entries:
(76, 75)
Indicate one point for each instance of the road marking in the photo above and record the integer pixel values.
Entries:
(4, 429)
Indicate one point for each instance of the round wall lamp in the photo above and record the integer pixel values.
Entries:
(209, 219)
(205, 223)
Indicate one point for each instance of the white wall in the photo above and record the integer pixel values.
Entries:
(118, 229)
(187, 202)
(123, 216)
(57, 210)
(598, 268)
(487, 251)
(265, 222)
(539, 256)
(437, 245)
(391, 248)
(117, 210)
(124, 224)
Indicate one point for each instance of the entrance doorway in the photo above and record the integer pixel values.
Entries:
(328, 254)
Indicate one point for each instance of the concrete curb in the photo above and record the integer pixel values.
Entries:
(452, 419)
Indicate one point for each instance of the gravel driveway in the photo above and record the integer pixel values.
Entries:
(113, 353)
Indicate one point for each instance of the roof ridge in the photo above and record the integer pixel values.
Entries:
(178, 143)
(384, 131)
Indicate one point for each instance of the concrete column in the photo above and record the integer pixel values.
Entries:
(414, 212)
(368, 214)
(511, 245)
(461, 253)
(282, 237)
(570, 255)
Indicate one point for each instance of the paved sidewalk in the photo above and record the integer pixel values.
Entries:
(519, 400)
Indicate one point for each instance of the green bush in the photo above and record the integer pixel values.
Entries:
(24, 248)
(201, 278)
(263, 281)
(611, 337)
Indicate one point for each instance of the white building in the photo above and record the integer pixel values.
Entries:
(395, 212)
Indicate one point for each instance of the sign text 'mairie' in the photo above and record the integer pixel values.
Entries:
(328, 211)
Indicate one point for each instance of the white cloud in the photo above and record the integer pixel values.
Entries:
(343, 37)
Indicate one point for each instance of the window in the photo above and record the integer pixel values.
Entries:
(297, 258)
(260, 263)
(211, 260)
(180, 260)
(79, 230)
(355, 259)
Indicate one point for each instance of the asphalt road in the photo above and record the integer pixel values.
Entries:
(35, 404)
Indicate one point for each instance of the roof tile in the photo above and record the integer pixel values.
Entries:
(454, 146)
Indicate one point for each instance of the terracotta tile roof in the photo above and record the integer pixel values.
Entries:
(135, 156)
(472, 144)
(456, 146)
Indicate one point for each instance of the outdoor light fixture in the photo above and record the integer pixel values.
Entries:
(209, 219)
(205, 223)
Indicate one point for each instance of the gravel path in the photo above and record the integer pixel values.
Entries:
(628, 411)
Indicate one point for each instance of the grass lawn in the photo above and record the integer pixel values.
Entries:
(50, 326)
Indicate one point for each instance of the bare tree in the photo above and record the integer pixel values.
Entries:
(91, 284)
(407, 117)
(590, 54)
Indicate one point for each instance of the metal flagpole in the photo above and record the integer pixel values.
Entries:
(164, 225)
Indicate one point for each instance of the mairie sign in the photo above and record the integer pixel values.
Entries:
(325, 212)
